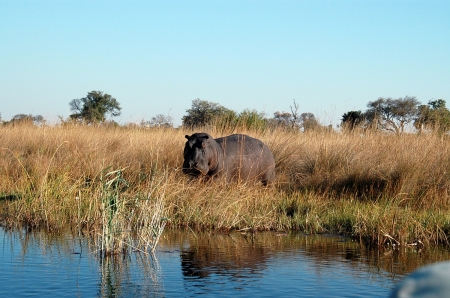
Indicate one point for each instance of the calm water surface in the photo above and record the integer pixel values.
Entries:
(188, 264)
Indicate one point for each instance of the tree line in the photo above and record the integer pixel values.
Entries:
(386, 114)
(394, 115)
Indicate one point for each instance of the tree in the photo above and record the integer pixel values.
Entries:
(94, 107)
(296, 120)
(433, 116)
(160, 120)
(251, 119)
(304, 121)
(27, 119)
(392, 114)
(203, 112)
(352, 119)
(309, 122)
(292, 120)
(283, 119)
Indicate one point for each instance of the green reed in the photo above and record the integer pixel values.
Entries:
(124, 220)
(115, 225)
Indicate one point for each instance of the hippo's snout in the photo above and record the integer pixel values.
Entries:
(190, 168)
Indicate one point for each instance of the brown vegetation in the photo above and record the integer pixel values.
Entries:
(376, 187)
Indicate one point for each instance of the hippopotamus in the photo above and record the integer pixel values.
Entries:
(236, 157)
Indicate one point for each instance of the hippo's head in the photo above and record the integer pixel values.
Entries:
(197, 154)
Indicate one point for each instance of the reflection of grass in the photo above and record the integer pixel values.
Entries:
(121, 275)
(376, 187)
(118, 276)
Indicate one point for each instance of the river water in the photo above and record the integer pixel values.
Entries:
(188, 264)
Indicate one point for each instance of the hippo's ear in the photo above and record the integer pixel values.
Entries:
(187, 137)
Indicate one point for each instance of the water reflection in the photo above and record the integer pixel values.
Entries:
(188, 264)
(232, 255)
(326, 263)
(225, 254)
(42, 264)
(136, 275)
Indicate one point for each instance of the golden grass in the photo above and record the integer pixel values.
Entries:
(376, 187)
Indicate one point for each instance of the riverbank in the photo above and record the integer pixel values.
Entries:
(375, 187)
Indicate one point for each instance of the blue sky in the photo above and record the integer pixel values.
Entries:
(155, 57)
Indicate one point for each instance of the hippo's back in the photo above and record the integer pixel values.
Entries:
(246, 158)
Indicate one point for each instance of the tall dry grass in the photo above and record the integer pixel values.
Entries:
(375, 186)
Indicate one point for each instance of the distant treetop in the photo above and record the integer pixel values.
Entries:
(94, 107)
